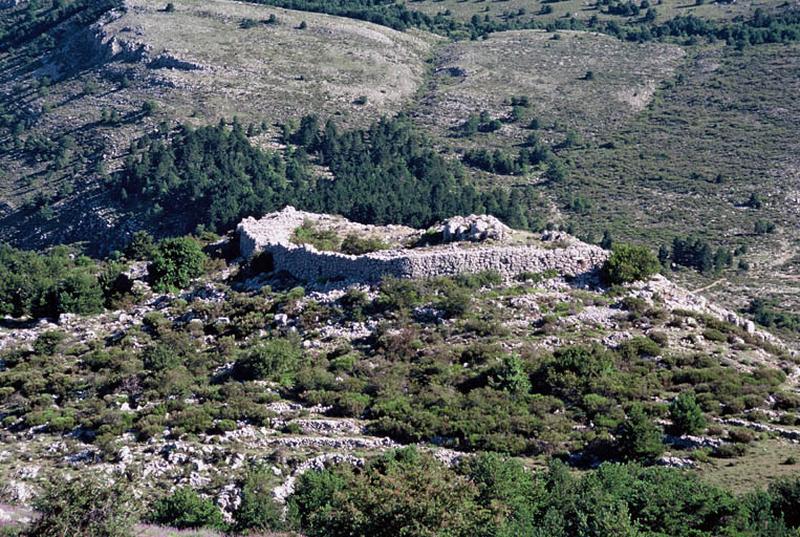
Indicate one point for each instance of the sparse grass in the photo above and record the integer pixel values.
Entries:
(473, 76)
(724, 128)
(321, 239)
(508, 10)
(764, 463)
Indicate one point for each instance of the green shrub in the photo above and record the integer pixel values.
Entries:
(321, 239)
(141, 246)
(350, 404)
(47, 342)
(510, 375)
(638, 438)
(83, 507)
(630, 263)
(686, 415)
(356, 245)
(184, 508)
(48, 284)
(785, 496)
(659, 338)
(79, 292)
(268, 360)
(398, 294)
(455, 302)
(712, 334)
(787, 401)
(176, 262)
(729, 451)
(401, 493)
(638, 347)
(258, 511)
(741, 435)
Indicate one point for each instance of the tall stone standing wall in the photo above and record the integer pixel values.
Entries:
(307, 263)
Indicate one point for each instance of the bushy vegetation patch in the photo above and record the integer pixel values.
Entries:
(84, 506)
(629, 263)
(56, 282)
(184, 508)
(175, 263)
(494, 496)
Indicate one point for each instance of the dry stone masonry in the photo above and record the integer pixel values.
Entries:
(480, 243)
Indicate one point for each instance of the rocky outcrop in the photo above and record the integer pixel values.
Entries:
(474, 228)
(272, 235)
(128, 44)
(678, 298)
(169, 61)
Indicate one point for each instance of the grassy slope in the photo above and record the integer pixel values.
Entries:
(581, 9)
(657, 130)
(264, 73)
(481, 75)
(730, 114)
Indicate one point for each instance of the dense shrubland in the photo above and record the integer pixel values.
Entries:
(452, 383)
(52, 283)
(408, 492)
(406, 379)
(60, 281)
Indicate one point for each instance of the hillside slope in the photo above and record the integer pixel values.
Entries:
(102, 87)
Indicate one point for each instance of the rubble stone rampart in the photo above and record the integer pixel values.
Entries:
(272, 234)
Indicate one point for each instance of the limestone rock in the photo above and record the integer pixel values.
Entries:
(474, 228)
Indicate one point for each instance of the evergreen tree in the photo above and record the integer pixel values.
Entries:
(638, 438)
(686, 415)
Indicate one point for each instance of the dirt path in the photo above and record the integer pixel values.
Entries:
(709, 286)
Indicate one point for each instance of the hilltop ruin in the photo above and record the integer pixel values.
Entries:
(459, 245)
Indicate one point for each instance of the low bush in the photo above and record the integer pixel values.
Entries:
(83, 507)
(258, 511)
(184, 508)
(268, 360)
(321, 239)
(686, 415)
(176, 262)
(629, 263)
(356, 245)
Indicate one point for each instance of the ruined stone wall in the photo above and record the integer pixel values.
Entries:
(304, 262)
(307, 263)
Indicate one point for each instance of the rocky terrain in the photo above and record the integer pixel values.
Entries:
(535, 313)
(609, 341)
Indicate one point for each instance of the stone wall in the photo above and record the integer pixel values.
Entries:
(272, 234)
